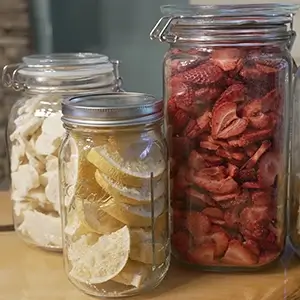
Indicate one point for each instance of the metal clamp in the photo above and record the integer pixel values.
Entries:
(9, 77)
(119, 79)
(160, 34)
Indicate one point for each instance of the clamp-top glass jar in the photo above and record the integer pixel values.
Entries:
(35, 132)
(227, 79)
(115, 212)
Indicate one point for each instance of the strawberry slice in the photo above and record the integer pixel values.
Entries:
(235, 93)
(248, 175)
(206, 73)
(227, 59)
(181, 241)
(268, 169)
(183, 93)
(207, 94)
(209, 145)
(238, 255)
(221, 240)
(196, 161)
(232, 218)
(268, 256)
(197, 198)
(179, 120)
(261, 198)
(252, 246)
(197, 224)
(213, 212)
(203, 254)
(233, 170)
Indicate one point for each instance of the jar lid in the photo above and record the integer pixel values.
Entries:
(112, 109)
(65, 65)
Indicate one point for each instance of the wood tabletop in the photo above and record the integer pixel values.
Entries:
(28, 273)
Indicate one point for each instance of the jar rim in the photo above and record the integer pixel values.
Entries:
(112, 109)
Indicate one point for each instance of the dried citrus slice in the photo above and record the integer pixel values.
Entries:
(130, 195)
(127, 167)
(134, 273)
(134, 215)
(102, 260)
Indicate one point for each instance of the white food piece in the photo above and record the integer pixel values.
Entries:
(51, 163)
(25, 179)
(44, 230)
(52, 190)
(17, 155)
(22, 119)
(38, 195)
(31, 105)
(53, 126)
(38, 165)
(44, 178)
(20, 207)
(27, 129)
(47, 144)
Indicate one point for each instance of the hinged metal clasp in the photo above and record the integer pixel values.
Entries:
(9, 77)
(160, 34)
(119, 79)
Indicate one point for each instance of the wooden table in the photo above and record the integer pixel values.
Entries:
(30, 274)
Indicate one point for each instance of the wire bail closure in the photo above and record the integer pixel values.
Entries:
(9, 77)
(119, 79)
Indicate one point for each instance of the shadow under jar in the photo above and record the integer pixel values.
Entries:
(35, 132)
(227, 89)
(115, 213)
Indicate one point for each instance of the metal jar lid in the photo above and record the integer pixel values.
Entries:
(112, 110)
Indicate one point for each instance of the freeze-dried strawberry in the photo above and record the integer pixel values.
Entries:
(206, 73)
(179, 66)
(268, 169)
(231, 217)
(196, 161)
(223, 144)
(252, 246)
(203, 254)
(226, 197)
(181, 241)
(251, 149)
(197, 198)
(225, 122)
(251, 73)
(213, 212)
(226, 58)
(251, 185)
(209, 145)
(268, 256)
(238, 255)
(235, 93)
(269, 243)
(172, 107)
(230, 155)
(233, 170)
(217, 173)
(255, 214)
(221, 240)
(217, 221)
(195, 127)
(183, 94)
(265, 145)
(179, 120)
(207, 94)
(197, 224)
(261, 198)
(203, 121)
(212, 160)
(248, 175)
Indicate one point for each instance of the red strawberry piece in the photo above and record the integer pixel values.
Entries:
(230, 155)
(270, 243)
(172, 107)
(261, 198)
(212, 160)
(203, 254)
(217, 228)
(248, 175)
(232, 218)
(213, 212)
(192, 129)
(251, 149)
(226, 197)
(231, 81)
(233, 170)
(198, 198)
(235, 93)
(206, 73)
(183, 94)
(238, 255)
(268, 256)
(255, 214)
(271, 101)
(254, 231)
(181, 241)
(252, 246)
(251, 73)
(179, 120)
(217, 221)
(179, 66)
(268, 169)
(204, 120)
(207, 94)
(221, 240)
(265, 145)
(227, 59)
(196, 160)
(265, 69)
(213, 172)
(209, 146)
(223, 144)
(197, 224)
(225, 123)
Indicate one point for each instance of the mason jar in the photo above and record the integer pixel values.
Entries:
(35, 131)
(115, 208)
(227, 83)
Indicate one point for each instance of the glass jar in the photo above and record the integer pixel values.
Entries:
(115, 211)
(227, 83)
(35, 132)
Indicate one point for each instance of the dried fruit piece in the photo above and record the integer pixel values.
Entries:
(268, 169)
(235, 93)
(213, 212)
(238, 255)
(197, 224)
(197, 198)
(209, 145)
(221, 240)
(261, 198)
(207, 94)
(203, 254)
(227, 59)
(252, 246)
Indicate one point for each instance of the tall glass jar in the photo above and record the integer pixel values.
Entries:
(115, 212)
(35, 132)
(227, 83)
